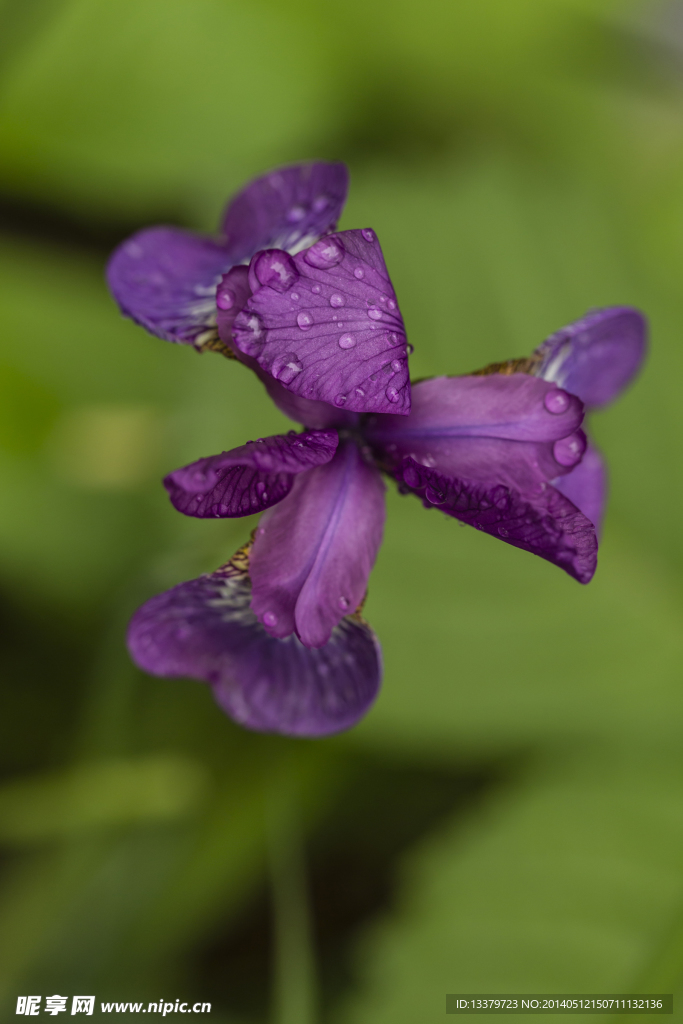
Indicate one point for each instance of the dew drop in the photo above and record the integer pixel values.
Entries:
(503, 532)
(391, 304)
(260, 487)
(336, 300)
(434, 497)
(410, 348)
(347, 341)
(325, 253)
(373, 376)
(392, 394)
(360, 392)
(343, 603)
(289, 369)
(225, 297)
(320, 203)
(382, 299)
(275, 268)
(295, 296)
(568, 450)
(305, 321)
(375, 314)
(358, 273)
(397, 365)
(393, 340)
(316, 289)
(368, 235)
(270, 619)
(254, 325)
(340, 400)
(295, 214)
(556, 401)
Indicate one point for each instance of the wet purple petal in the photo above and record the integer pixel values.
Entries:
(165, 279)
(248, 479)
(596, 356)
(516, 407)
(287, 209)
(512, 430)
(205, 629)
(336, 333)
(586, 486)
(232, 295)
(314, 551)
(544, 523)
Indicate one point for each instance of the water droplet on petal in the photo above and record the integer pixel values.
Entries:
(336, 300)
(375, 314)
(411, 476)
(340, 400)
(411, 349)
(434, 497)
(503, 532)
(254, 325)
(392, 394)
(305, 321)
(382, 299)
(347, 341)
(391, 304)
(295, 296)
(373, 376)
(320, 203)
(397, 365)
(368, 235)
(556, 401)
(393, 340)
(358, 273)
(270, 619)
(360, 392)
(325, 253)
(275, 268)
(568, 450)
(260, 487)
(295, 214)
(343, 603)
(225, 297)
(288, 369)
(316, 289)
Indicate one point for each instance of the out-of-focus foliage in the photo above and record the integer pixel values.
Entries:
(509, 814)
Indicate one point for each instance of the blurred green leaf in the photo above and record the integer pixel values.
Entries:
(93, 796)
(569, 883)
(125, 106)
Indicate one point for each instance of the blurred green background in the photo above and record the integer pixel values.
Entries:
(509, 817)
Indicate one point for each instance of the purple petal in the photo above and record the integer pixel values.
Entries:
(313, 552)
(545, 523)
(516, 407)
(334, 333)
(165, 279)
(233, 292)
(248, 479)
(586, 486)
(232, 295)
(513, 430)
(206, 630)
(287, 209)
(597, 356)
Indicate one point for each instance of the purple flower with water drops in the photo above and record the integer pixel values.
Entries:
(277, 632)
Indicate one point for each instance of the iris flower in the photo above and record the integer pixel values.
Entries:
(277, 631)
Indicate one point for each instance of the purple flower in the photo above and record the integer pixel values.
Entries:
(277, 632)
